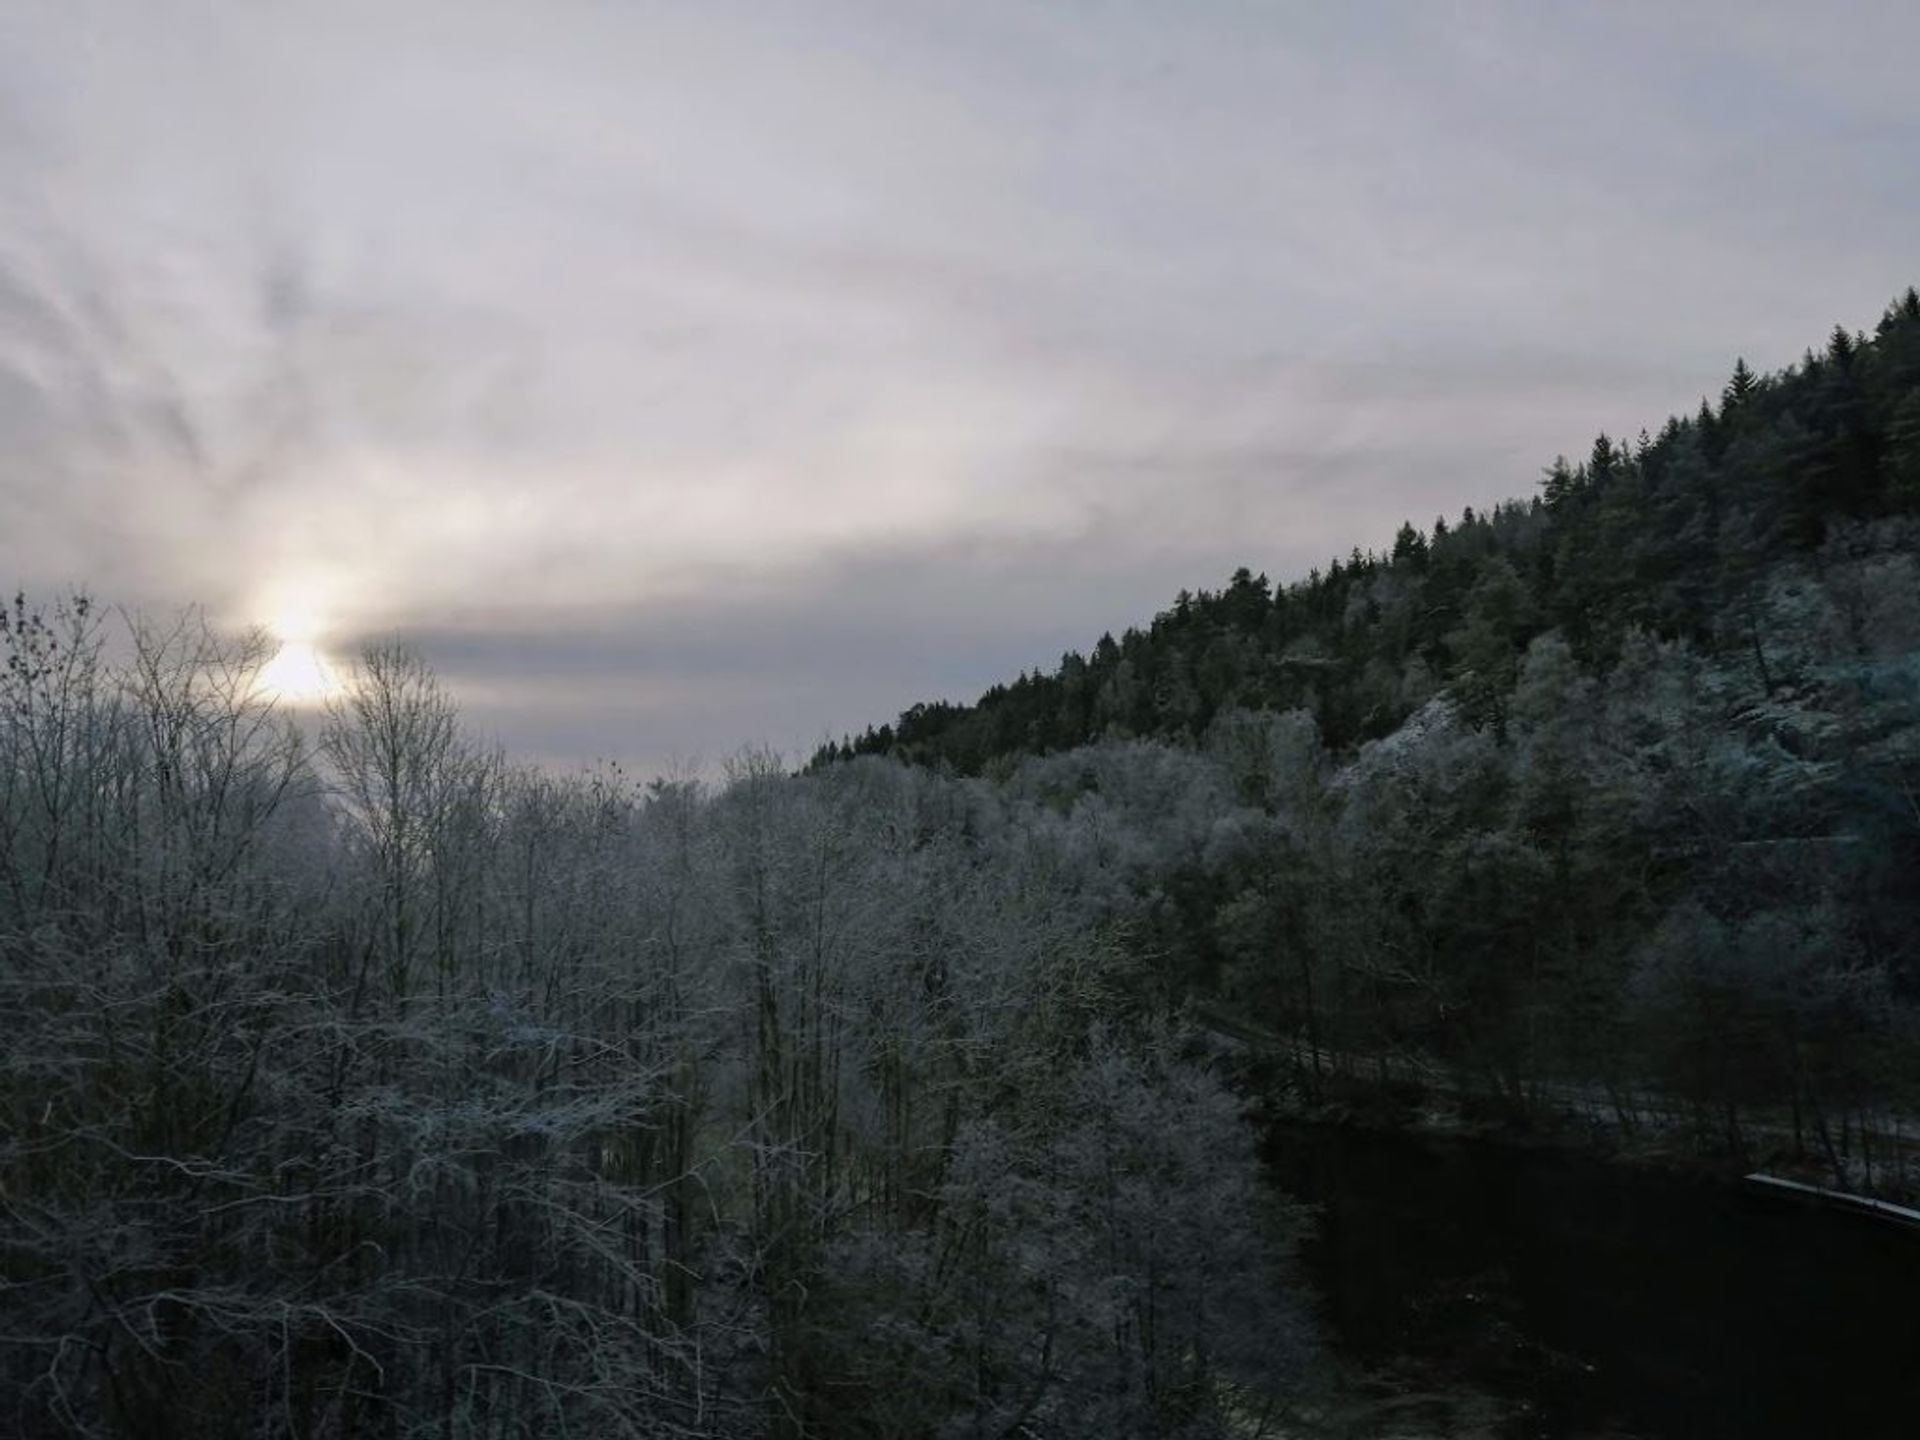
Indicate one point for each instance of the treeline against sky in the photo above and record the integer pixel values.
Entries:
(376, 1087)
(1612, 795)
(1667, 535)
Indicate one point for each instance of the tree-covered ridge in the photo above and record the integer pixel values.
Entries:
(1668, 535)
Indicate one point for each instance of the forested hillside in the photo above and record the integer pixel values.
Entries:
(1671, 536)
(1609, 797)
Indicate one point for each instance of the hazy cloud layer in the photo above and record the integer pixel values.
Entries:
(681, 376)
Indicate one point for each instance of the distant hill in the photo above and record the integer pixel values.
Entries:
(1669, 534)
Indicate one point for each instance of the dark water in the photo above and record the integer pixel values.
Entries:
(1605, 1300)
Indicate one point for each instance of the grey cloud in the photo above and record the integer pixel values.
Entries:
(733, 373)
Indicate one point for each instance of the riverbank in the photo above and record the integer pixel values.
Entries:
(1875, 1156)
(1883, 1175)
(1528, 1288)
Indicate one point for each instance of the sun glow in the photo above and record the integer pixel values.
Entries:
(297, 675)
(299, 672)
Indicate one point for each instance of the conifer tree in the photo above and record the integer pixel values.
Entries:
(1601, 464)
(1559, 483)
(1739, 389)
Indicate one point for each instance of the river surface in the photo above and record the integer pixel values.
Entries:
(1598, 1299)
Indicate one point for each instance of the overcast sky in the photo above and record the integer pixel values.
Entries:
(677, 377)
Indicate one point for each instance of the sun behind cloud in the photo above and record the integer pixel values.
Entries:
(298, 674)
